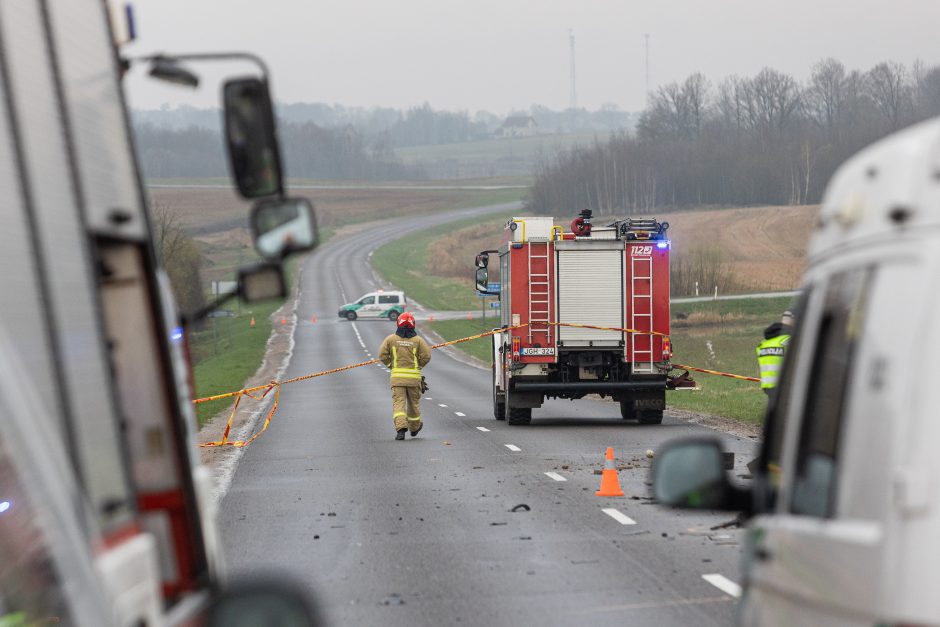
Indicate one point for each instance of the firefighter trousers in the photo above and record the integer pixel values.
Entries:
(406, 407)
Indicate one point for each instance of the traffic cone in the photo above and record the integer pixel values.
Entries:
(283, 320)
(430, 317)
(610, 483)
(469, 315)
(313, 318)
(252, 322)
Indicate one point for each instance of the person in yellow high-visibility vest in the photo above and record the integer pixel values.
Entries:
(771, 351)
(405, 353)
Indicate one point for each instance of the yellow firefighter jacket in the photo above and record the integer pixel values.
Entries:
(405, 357)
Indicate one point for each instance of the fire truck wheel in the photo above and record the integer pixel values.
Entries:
(351, 315)
(519, 415)
(626, 410)
(650, 416)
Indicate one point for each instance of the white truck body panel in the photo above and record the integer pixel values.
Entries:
(875, 557)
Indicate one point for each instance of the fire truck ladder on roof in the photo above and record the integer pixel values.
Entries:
(539, 293)
(641, 270)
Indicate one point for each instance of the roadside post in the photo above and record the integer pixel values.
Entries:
(491, 288)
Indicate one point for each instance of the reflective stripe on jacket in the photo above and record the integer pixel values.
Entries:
(405, 357)
(770, 355)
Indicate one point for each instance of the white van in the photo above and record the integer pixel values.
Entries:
(380, 304)
(845, 504)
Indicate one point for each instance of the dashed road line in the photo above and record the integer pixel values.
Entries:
(619, 516)
(483, 429)
(555, 476)
(441, 405)
(724, 584)
(428, 398)
(459, 413)
(358, 336)
(513, 448)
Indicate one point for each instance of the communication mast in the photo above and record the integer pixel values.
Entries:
(647, 36)
(574, 92)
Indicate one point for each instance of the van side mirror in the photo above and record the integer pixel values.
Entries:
(283, 226)
(690, 474)
(264, 281)
(482, 278)
(250, 136)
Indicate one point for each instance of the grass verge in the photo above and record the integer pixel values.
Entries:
(723, 335)
(226, 352)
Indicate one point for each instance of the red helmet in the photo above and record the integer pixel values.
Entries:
(406, 320)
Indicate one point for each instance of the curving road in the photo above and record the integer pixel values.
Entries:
(421, 532)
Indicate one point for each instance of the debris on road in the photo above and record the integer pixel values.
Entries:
(521, 507)
(650, 453)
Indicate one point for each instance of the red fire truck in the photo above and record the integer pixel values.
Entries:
(583, 312)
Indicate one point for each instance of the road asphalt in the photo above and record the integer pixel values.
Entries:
(432, 530)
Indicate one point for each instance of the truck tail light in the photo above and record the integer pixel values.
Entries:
(516, 342)
(667, 349)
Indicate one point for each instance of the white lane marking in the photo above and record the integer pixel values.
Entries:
(724, 584)
(428, 398)
(441, 405)
(619, 516)
(340, 284)
(460, 413)
(513, 448)
(358, 336)
(483, 429)
(555, 476)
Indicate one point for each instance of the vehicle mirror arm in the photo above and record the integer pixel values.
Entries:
(200, 314)
(205, 56)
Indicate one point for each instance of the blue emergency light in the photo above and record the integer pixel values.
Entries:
(177, 334)
(4, 506)
(662, 244)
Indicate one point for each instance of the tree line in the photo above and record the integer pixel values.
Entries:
(309, 150)
(764, 139)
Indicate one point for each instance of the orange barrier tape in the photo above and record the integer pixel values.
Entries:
(276, 385)
(249, 392)
(716, 372)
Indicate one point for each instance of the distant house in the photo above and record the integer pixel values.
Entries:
(518, 126)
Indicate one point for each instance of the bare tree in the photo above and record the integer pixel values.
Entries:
(825, 96)
(890, 90)
(772, 99)
(179, 255)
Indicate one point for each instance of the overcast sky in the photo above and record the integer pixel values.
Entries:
(500, 55)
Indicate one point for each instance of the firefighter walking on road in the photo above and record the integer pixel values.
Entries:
(771, 351)
(405, 353)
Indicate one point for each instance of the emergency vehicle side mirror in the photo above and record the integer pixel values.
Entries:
(482, 260)
(482, 278)
(689, 473)
(281, 227)
(250, 136)
(264, 281)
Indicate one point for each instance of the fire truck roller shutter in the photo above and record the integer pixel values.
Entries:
(590, 291)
